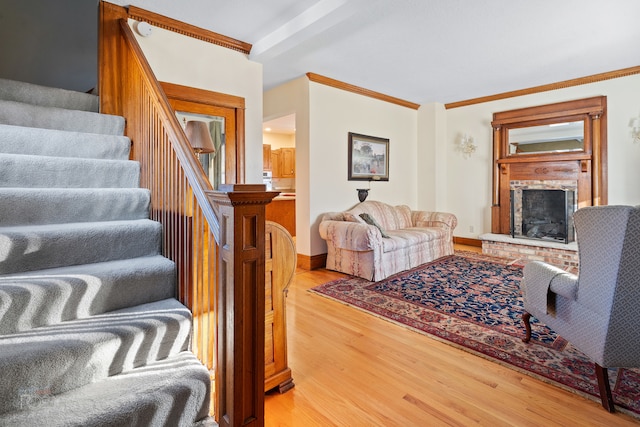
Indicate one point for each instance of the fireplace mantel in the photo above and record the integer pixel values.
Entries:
(586, 167)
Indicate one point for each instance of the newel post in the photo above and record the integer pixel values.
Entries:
(241, 304)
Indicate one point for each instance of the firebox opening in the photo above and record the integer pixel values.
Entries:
(546, 215)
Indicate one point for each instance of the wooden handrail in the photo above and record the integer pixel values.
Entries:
(215, 238)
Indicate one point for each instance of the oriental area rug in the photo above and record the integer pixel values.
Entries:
(473, 301)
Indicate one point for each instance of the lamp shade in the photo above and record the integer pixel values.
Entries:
(198, 134)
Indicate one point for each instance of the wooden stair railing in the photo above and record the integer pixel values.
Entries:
(216, 238)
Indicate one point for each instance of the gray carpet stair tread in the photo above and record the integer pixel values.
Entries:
(60, 143)
(41, 171)
(35, 116)
(30, 248)
(31, 206)
(171, 392)
(72, 354)
(45, 297)
(12, 90)
(90, 331)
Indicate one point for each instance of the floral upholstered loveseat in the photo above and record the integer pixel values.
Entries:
(358, 248)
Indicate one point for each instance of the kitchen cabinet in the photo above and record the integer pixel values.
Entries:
(283, 163)
(276, 170)
(288, 162)
(266, 157)
(283, 211)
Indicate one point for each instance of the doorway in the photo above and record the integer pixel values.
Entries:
(279, 169)
(225, 116)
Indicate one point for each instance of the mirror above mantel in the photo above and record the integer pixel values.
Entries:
(564, 142)
(562, 137)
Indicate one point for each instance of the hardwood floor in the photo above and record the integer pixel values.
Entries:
(353, 369)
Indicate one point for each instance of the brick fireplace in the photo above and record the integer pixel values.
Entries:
(561, 252)
(561, 255)
(543, 210)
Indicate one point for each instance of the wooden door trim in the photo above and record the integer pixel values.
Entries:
(206, 102)
(201, 96)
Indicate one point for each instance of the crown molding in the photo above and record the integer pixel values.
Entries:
(189, 30)
(317, 78)
(552, 86)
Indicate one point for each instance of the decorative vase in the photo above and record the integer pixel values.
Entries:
(362, 194)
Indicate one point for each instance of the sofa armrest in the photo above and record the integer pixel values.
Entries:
(444, 220)
(541, 281)
(351, 235)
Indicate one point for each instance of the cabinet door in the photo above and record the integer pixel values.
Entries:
(276, 168)
(266, 157)
(288, 162)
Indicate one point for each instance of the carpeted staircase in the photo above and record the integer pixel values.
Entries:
(90, 331)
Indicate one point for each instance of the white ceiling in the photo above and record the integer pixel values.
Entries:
(424, 50)
(284, 124)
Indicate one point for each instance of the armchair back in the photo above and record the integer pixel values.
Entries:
(609, 251)
(598, 310)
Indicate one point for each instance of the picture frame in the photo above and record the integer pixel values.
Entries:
(368, 158)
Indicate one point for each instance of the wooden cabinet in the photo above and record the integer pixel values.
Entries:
(280, 264)
(288, 162)
(276, 170)
(283, 211)
(266, 157)
(283, 163)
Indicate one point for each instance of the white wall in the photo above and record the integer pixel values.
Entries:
(183, 60)
(289, 98)
(333, 114)
(432, 127)
(468, 181)
(324, 117)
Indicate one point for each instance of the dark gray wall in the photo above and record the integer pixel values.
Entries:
(50, 42)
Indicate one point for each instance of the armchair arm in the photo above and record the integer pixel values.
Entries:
(351, 235)
(443, 220)
(541, 282)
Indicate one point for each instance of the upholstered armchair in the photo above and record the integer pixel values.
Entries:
(598, 311)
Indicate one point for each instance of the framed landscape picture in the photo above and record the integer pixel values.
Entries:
(368, 158)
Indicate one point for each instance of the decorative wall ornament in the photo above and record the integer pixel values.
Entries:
(467, 145)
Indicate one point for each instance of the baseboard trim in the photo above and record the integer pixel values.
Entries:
(467, 241)
(312, 262)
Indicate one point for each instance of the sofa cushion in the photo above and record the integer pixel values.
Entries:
(389, 217)
(408, 237)
(403, 217)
